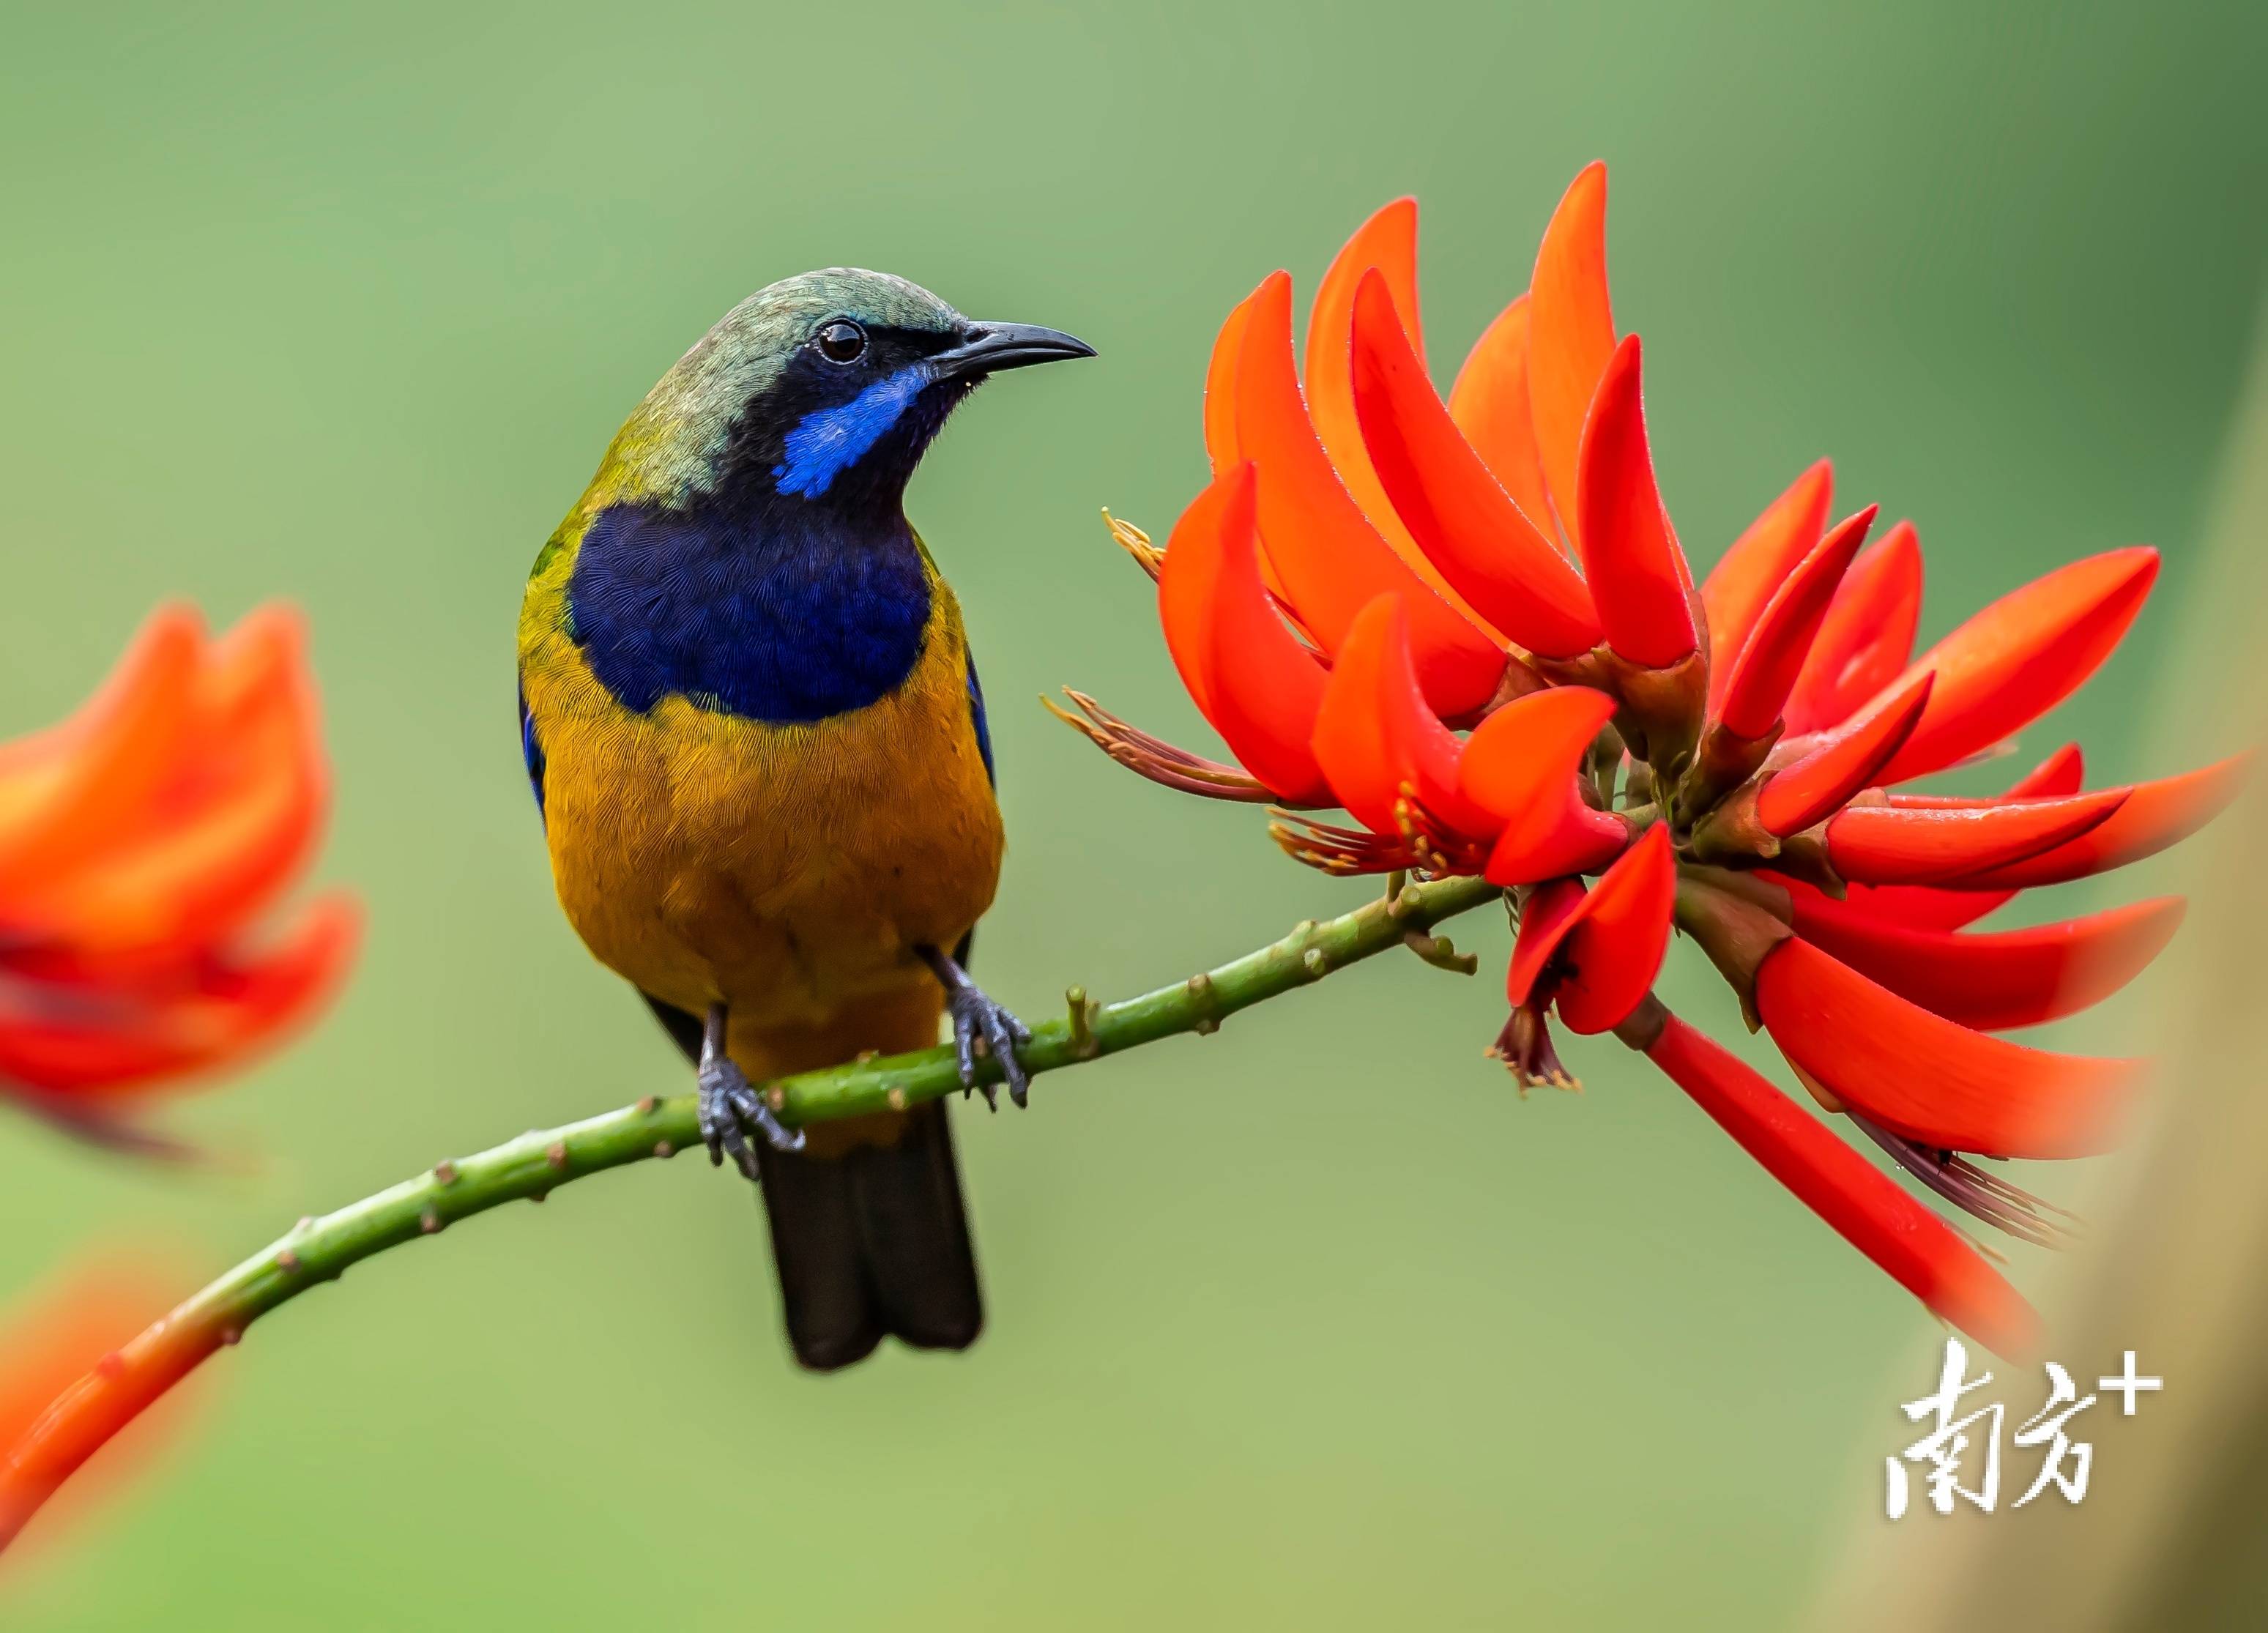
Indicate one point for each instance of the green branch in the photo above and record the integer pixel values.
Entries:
(320, 1250)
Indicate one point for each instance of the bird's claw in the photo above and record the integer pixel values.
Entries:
(982, 1028)
(730, 1110)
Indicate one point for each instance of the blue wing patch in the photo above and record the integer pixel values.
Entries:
(976, 718)
(531, 751)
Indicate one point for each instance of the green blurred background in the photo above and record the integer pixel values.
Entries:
(1315, 1322)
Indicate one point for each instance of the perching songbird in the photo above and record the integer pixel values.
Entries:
(754, 731)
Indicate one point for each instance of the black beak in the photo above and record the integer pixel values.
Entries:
(989, 347)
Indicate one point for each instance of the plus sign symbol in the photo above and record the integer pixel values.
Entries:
(2127, 1385)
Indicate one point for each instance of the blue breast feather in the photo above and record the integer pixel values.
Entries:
(780, 621)
(826, 442)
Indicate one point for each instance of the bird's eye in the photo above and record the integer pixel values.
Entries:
(841, 341)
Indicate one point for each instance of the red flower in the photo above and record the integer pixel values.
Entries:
(142, 844)
(1471, 626)
(65, 1341)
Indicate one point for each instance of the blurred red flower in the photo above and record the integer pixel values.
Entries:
(142, 843)
(54, 1344)
(1470, 625)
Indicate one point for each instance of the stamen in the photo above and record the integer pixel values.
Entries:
(1979, 1192)
(1152, 757)
(1149, 557)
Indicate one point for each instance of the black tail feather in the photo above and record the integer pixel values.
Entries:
(869, 1242)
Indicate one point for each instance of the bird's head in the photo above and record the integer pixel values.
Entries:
(821, 390)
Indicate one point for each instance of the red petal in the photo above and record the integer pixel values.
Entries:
(1865, 1206)
(237, 1011)
(1927, 1077)
(1890, 845)
(1615, 949)
(230, 828)
(1520, 765)
(1385, 246)
(1257, 684)
(1768, 665)
(1991, 983)
(1632, 562)
(1825, 778)
(1737, 588)
(1189, 587)
(1571, 331)
(1332, 561)
(1549, 914)
(2023, 654)
(1866, 637)
(2155, 815)
(1489, 552)
(1923, 907)
(90, 784)
(1220, 389)
(1490, 403)
(1374, 735)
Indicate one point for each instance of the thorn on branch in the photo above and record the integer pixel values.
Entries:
(1440, 953)
(445, 1171)
(1083, 1044)
(1200, 991)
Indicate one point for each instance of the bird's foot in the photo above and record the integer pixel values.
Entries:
(731, 1109)
(982, 1028)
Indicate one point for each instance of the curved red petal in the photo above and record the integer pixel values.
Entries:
(1927, 1077)
(105, 767)
(1332, 562)
(1520, 765)
(1260, 689)
(1927, 908)
(1516, 755)
(1489, 552)
(1220, 389)
(1189, 587)
(2155, 815)
(1550, 912)
(2023, 654)
(1737, 588)
(1910, 1243)
(1617, 947)
(1490, 403)
(1868, 635)
(1571, 331)
(1375, 736)
(1385, 247)
(1894, 845)
(1808, 790)
(1636, 572)
(238, 1010)
(1993, 982)
(1765, 672)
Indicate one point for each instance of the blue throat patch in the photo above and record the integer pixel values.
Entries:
(829, 441)
(769, 616)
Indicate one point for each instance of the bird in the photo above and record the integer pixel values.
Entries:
(758, 747)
